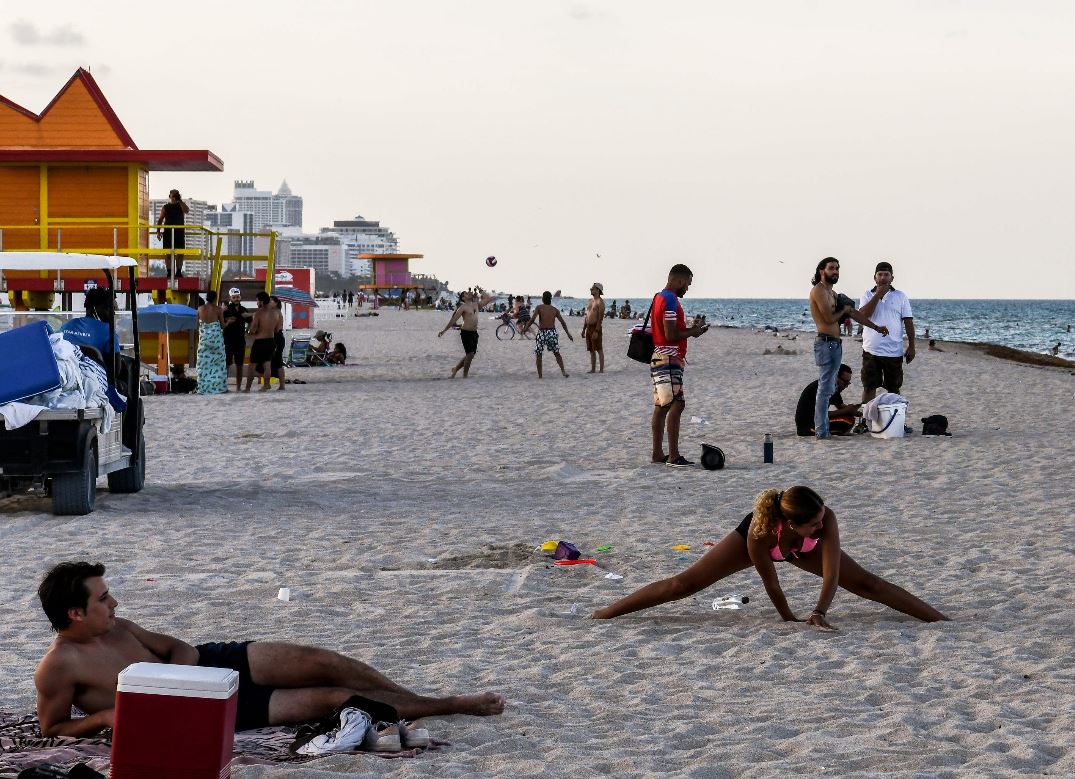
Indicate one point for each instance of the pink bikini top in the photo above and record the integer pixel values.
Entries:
(807, 545)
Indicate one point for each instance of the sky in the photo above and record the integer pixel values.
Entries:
(605, 140)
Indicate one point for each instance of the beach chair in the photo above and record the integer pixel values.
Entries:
(298, 355)
(318, 359)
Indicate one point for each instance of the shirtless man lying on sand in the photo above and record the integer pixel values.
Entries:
(279, 684)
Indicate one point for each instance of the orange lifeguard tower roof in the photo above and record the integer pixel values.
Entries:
(79, 125)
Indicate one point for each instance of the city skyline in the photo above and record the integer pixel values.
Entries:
(604, 141)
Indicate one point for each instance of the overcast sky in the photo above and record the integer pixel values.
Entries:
(746, 139)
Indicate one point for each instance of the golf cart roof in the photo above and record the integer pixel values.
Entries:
(62, 261)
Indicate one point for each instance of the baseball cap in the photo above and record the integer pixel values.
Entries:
(234, 291)
(90, 284)
(600, 287)
(883, 266)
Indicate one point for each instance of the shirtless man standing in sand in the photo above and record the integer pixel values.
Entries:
(263, 331)
(591, 327)
(279, 683)
(827, 312)
(546, 315)
(468, 330)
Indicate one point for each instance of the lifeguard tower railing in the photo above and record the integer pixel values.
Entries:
(91, 236)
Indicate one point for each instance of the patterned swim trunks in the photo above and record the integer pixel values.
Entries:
(547, 339)
(667, 374)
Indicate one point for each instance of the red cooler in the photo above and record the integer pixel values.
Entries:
(174, 722)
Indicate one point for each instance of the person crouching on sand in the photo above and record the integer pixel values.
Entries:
(793, 526)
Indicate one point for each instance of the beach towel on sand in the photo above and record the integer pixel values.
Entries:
(23, 746)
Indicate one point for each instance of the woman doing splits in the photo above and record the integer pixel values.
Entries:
(793, 526)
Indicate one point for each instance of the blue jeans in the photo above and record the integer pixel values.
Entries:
(827, 355)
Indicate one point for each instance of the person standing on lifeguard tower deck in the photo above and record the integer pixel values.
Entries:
(173, 213)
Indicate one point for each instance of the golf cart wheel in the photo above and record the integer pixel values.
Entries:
(505, 332)
(76, 493)
(712, 459)
(133, 477)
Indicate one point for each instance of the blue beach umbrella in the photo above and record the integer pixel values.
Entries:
(167, 318)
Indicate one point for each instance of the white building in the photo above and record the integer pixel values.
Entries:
(281, 209)
(323, 253)
(229, 219)
(362, 236)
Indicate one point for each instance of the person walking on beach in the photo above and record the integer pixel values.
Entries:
(592, 327)
(212, 365)
(279, 683)
(670, 334)
(236, 317)
(883, 355)
(786, 526)
(546, 315)
(173, 213)
(827, 311)
(469, 303)
(262, 330)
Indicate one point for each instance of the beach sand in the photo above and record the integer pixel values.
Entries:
(403, 510)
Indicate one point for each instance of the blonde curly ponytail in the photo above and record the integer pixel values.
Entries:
(766, 513)
(796, 505)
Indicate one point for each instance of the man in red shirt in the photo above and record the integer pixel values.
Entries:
(670, 334)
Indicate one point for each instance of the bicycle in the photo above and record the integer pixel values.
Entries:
(508, 329)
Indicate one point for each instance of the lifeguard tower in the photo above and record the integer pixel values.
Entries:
(72, 179)
(390, 272)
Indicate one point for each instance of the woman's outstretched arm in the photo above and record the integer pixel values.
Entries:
(726, 558)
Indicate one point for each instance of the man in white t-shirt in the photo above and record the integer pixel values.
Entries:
(883, 355)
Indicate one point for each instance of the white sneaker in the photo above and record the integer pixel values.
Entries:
(354, 724)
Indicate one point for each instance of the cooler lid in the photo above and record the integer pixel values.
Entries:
(189, 678)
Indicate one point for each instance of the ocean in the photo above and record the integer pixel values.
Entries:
(1031, 325)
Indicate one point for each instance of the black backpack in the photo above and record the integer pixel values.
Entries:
(935, 425)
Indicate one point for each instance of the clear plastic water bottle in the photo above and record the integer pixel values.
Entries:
(767, 448)
(730, 602)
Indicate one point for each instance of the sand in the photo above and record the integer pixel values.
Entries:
(345, 489)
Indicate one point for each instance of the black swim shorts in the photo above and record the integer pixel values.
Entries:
(470, 340)
(235, 352)
(252, 710)
(261, 350)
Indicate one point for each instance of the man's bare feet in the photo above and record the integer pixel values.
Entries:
(591, 371)
(566, 374)
(454, 371)
(486, 704)
(659, 458)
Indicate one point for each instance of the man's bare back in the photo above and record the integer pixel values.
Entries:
(546, 316)
(263, 324)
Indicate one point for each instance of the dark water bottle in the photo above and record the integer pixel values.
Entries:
(767, 448)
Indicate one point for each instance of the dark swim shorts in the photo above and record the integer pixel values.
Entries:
(470, 340)
(252, 710)
(261, 350)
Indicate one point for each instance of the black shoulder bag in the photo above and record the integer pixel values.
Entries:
(641, 346)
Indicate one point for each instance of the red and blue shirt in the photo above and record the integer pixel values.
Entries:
(666, 308)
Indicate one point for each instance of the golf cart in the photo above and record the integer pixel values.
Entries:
(63, 451)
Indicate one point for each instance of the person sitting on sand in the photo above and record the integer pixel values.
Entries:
(841, 418)
(933, 346)
(279, 683)
(794, 526)
(338, 355)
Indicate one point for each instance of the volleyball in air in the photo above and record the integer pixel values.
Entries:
(490, 261)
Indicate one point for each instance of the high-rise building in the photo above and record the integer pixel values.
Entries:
(269, 210)
(229, 219)
(362, 236)
(323, 253)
